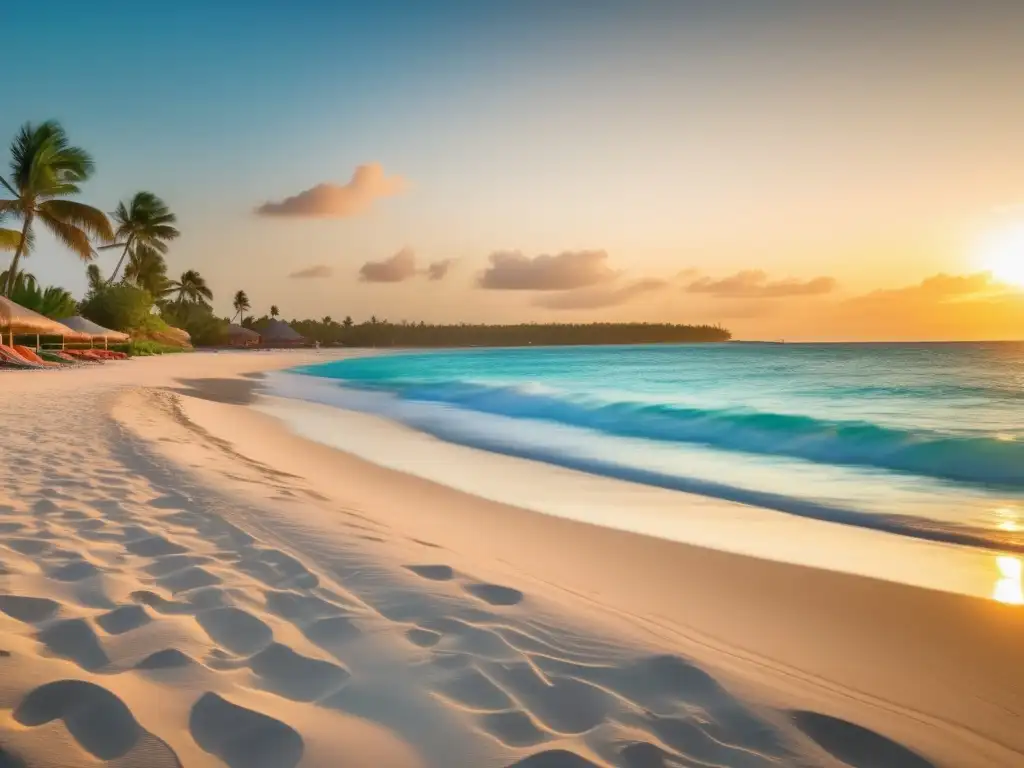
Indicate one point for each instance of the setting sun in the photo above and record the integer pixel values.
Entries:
(1002, 253)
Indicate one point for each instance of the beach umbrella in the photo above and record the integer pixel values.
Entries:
(16, 319)
(94, 330)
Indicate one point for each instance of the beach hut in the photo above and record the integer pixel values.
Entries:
(279, 334)
(95, 331)
(17, 320)
(240, 336)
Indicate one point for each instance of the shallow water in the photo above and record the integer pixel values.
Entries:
(923, 440)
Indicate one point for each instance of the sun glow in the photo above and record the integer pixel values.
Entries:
(1002, 253)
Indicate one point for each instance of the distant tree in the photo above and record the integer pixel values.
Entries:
(147, 269)
(327, 320)
(146, 222)
(347, 322)
(94, 277)
(241, 305)
(190, 289)
(45, 170)
(274, 311)
(52, 301)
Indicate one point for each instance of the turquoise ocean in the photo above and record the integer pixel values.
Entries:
(918, 440)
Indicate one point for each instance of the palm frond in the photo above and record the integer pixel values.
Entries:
(72, 237)
(85, 217)
(10, 239)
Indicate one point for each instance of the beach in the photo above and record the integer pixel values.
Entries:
(186, 581)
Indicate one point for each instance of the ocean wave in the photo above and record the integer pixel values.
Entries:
(500, 433)
(967, 457)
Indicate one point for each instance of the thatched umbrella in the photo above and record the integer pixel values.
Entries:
(16, 319)
(95, 331)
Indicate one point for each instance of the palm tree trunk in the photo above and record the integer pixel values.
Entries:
(12, 275)
(120, 261)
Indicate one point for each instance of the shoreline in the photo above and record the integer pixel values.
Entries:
(672, 515)
(457, 630)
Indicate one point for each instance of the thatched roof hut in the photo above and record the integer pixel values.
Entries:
(16, 319)
(94, 330)
(240, 336)
(280, 333)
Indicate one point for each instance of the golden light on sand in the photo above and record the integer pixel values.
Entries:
(1001, 252)
(1009, 588)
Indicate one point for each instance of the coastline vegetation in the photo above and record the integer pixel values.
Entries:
(138, 297)
(381, 333)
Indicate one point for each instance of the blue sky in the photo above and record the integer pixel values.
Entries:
(797, 138)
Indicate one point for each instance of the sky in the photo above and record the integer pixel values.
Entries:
(789, 169)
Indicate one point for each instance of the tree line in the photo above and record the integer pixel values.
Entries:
(381, 333)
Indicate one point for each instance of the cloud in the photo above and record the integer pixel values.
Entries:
(395, 269)
(512, 271)
(335, 201)
(941, 307)
(402, 267)
(754, 284)
(438, 270)
(315, 271)
(940, 288)
(601, 296)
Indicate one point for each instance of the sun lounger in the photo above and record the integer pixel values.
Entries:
(32, 357)
(58, 357)
(12, 358)
(84, 354)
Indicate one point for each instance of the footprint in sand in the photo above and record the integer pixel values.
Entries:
(123, 619)
(236, 630)
(97, 719)
(513, 728)
(75, 639)
(554, 758)
(31, 610)
(169, 658)
(494, 594)
(154, 546)
(243, 738)
(432, 572)
(856, 746)
(294, 676)
(424, 638)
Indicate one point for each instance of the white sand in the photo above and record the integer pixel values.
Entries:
(184, 582)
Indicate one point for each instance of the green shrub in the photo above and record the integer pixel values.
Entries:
(205, 328)
(120, 307)
(145, 348)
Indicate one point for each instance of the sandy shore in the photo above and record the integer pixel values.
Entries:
(184, 582)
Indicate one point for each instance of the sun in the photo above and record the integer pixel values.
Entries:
(1001, 252)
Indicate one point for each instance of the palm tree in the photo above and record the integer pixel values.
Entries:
(145, 222)
(347, 322)
(274, 311)
(147, 269)
(45, 170)
(95, 278)
(22, 280)
(190, 289)
(241, 304)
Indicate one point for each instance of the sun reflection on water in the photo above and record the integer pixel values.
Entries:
(1009, 587)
